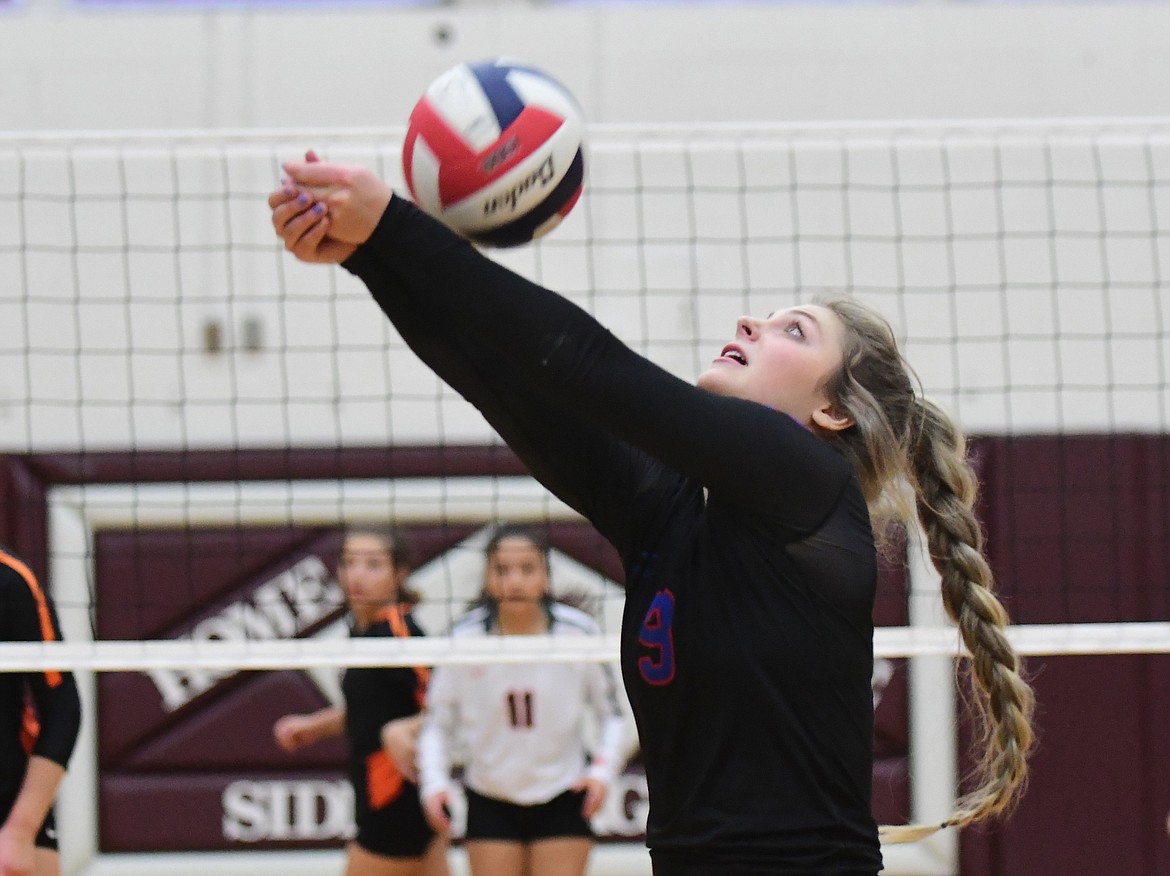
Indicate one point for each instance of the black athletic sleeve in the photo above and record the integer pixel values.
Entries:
(742, 451)
(28, 615)
(606, 480)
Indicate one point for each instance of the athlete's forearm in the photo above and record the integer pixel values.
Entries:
(41, 780)
(434, 765)
(327, 722)
(439, 723)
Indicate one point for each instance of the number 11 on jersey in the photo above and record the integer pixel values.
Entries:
(520, 708)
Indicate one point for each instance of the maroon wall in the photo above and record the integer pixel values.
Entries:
(160, 583)
(1078, 531)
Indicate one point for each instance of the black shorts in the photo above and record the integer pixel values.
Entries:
(492, 819)
(396, 830)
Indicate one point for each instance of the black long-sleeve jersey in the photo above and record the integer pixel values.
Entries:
(750, 563)
(40, 711)
(374, 696)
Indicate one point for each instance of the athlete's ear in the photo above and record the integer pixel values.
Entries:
(830, 419)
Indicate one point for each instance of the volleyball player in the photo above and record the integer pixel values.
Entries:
(741, 508)
(393, 838)
(42, 716)
(529, 786)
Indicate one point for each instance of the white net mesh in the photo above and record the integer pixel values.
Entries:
(160, 320)
(190, 415)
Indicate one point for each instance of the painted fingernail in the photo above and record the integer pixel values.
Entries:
(318, 207)
(302, 199)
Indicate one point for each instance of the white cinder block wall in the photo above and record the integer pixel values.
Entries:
(79, 64)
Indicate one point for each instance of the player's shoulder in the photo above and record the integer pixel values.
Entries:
(574, 621)
(15, 573)
(474, 623)
(393, 621)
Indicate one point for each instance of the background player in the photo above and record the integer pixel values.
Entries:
(393, 838)
(530, 788)
(42, 716)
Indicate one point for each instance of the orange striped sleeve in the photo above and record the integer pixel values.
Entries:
(30, 728)
(48, 633)
(396, 617)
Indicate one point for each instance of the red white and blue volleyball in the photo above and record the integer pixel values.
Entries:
(493, 150)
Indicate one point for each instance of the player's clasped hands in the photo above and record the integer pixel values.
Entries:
(323, 211)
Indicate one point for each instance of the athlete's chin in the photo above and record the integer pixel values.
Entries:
(517, 602)
(714, 380)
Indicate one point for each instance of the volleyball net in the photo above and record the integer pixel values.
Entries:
(191, 416)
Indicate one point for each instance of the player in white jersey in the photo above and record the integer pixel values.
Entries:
(531, 788)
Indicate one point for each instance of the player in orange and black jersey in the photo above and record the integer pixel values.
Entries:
(390, 820)
(393, 838)
(42, 715)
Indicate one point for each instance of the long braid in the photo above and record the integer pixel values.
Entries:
(946, 490)
(900, 439)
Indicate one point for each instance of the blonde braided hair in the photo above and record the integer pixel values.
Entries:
(898, 439)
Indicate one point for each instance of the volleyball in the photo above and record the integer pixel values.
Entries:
(493, 150)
